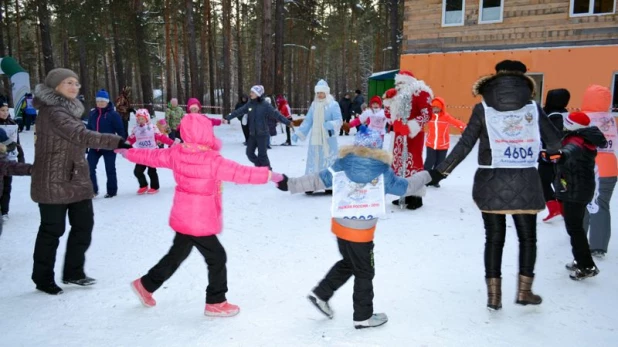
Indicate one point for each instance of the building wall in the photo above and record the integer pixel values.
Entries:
(526, 23)
(451, 75)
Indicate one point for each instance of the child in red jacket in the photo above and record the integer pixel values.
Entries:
(147, 135)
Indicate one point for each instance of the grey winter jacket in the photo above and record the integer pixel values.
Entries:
(501, 190)
(258, 112)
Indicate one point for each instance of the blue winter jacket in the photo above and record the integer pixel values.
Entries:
(106, 121)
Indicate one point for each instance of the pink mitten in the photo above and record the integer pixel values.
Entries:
(276, 177)
(121, 151)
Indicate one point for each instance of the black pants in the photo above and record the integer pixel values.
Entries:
(245, 132)
(5, 200)
(495, 232)
(261, 143)
(574, 221)
(358, 261)
(141, 178)
(53, 220)
(125, 124)
(213, 253)
(434, 158)
(547, 174)
(29, 119)
(288, 135)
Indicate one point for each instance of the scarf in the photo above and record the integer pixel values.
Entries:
(319, 135)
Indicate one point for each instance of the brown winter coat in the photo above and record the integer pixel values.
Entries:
(60, 173)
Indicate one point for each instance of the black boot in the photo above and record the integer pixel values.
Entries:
(50, 288)
(413, 202)
(86, 281)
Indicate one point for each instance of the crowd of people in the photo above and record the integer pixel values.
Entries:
(529, 157)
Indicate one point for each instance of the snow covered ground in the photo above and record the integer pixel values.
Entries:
(429, 273)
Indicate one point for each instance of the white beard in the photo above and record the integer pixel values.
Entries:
(413, 90)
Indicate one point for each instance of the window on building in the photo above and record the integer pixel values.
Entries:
(538, 80)
(453, 12)
(491, 11)
(591, 7)
(615, 94)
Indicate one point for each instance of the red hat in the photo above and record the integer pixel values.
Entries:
(191, 102)
(375, 100)
(404, 77)
(406, 73)
(576, 120)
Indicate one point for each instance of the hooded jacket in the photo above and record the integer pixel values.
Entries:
(199, 170)
(599, 99)
(502, 190)
(60, 173)
(361, 165)
(575, 179)
(106, 121)
(555, 107)
(438, 136)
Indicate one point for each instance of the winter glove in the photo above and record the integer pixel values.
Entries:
(282, 184)
(123, 144)
(436, 177)
(122, 152)
(176, 141)
(294, 138)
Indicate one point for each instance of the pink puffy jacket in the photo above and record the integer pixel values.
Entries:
(199, 170)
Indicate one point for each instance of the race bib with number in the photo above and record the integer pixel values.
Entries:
(606, 122)
(514, 137)
(11, 131)
(357, 200)
(145, 137)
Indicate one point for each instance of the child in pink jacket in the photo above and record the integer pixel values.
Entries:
(196, 217)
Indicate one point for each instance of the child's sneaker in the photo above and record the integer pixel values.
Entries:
(142, 191)
(144, 295)
(224, 309)
(375, 320)
(152, 191)
(320, 305)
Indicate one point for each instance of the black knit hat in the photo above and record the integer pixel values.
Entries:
(511, 65)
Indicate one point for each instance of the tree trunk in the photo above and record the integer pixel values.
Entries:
(211, 53)
(168, 53)
(192, 48)
(120, 73)
(394, 31)
(227, 53)
(179, 91)
(5, 79)
(8, 28)
(44, 26)
(18, 29)
(279, 61)
(204, 69)
(239, 50)
(185, 64)
(83, 72)
(267, 47)
(143, 59)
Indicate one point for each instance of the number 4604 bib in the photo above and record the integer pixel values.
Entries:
(514, 136)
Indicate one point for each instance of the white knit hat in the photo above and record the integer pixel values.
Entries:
(322, 86)
(258, 89)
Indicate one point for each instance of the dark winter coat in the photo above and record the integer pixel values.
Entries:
(575, 179)
(358, 101)
(502, 191)
(20, 151)
(346, 108)
(241, 102)
(106, 121)
(258, 113)
(60, 173)
(555, 106)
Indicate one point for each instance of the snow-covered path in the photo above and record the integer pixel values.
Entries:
(429, 273)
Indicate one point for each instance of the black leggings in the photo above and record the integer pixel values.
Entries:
(574, 221)
(495, 232)
(547, 173)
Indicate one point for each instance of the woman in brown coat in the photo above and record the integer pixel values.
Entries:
(60, 179)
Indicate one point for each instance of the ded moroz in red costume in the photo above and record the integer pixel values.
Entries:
(420, 112)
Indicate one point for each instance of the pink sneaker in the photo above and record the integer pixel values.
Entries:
(224, 309)
(152, 191)
(142, 191)
(144, 295)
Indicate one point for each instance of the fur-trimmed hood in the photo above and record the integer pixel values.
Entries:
(362, 164)
(46, 96)
(477, 88)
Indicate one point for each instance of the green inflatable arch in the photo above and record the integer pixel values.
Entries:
(20, 81)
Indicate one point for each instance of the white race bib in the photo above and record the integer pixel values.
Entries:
(11, 131)
(606, 122)
(357, 200)
(514, 137)
(145, 137)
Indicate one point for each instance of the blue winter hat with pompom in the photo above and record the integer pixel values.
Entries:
(366, 137)
(102, 95)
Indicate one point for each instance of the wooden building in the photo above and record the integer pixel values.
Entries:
(565, 44)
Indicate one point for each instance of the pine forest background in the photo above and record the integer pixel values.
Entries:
(215, 49)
